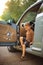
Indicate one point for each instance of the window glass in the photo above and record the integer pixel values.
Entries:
(29, 17)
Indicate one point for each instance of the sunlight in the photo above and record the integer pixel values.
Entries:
(2, 6)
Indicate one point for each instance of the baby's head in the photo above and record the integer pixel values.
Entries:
(27, 26)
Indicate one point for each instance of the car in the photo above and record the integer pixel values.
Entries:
(11, 32)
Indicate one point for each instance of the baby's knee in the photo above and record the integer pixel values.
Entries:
(21, 38)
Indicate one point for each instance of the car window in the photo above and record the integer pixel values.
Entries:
(30, 16)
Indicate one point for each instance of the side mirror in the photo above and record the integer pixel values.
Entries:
(9, 22)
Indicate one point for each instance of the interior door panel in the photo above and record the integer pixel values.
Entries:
(7, 33)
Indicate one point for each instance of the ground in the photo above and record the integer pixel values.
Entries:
(7, 58)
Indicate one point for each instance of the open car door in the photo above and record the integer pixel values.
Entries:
(8, 34)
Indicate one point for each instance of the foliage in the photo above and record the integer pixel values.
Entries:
(15, 8)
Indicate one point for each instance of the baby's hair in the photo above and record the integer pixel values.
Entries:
(27, 24)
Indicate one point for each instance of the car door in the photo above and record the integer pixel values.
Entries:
(8, 34)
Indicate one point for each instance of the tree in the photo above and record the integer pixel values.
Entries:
(16, 8)
(6, 15)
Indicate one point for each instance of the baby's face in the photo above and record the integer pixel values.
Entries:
(27, 28)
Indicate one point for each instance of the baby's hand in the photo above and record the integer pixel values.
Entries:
(31, 43)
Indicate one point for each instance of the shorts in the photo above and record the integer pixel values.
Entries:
(27, 44)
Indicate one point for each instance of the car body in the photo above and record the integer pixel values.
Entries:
(11, 32)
